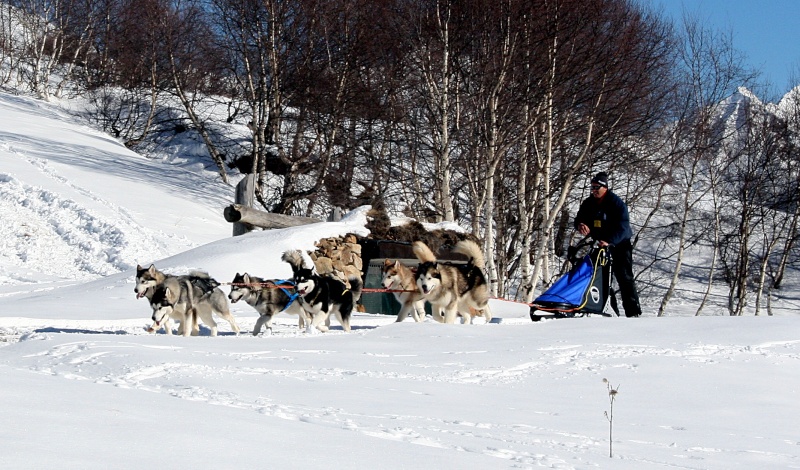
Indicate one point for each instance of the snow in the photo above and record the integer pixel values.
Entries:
(82, 385)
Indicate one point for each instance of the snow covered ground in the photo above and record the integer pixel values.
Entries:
(82, 385)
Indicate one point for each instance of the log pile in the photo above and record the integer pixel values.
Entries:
(347, 256)
(339, 257)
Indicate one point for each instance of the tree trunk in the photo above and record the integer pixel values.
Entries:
(715, 245)
(198, 124)
(687, 207)
(787, 248)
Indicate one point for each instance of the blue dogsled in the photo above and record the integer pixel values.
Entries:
(585, 290)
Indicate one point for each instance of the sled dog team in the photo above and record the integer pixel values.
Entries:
(451, 289)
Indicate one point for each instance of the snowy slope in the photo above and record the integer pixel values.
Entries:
(78, 205)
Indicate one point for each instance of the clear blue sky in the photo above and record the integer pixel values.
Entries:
(767, 32)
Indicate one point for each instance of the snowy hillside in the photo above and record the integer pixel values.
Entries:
(82, 385)
(82, 205)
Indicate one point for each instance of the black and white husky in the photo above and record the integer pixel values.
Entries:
(269, 297)
(322, 295)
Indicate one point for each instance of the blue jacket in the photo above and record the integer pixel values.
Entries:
(607, 218)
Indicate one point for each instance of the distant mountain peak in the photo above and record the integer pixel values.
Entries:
(790, 102)
(746, 94)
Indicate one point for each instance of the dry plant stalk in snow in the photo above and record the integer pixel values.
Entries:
(612, 395)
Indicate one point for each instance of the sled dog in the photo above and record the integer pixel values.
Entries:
(269, 297)
(185, 297)
(322, 295)
(398, 277)
(453, 289)
(167, 305)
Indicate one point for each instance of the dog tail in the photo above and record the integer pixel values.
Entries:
(471, 250)
(295, 259)
(190, 310)
(356, 285)
(423, 253)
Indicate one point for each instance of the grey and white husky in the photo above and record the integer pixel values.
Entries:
(454, 289)
(184, 298)
(268, 297)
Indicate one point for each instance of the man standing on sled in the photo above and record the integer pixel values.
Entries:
(604, 216)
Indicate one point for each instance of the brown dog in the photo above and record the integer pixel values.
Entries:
(398, 277)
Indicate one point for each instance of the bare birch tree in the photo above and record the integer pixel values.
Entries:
(490, 76)
(433, 38)
(747, 190)
(192, 67)
(709, 70)
(255, 37)
(792, 162)
(608, 65)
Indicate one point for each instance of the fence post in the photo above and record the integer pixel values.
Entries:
(245, 194)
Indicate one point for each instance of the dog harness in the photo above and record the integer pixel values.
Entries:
(286, 286)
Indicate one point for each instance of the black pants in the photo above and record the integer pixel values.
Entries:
(622, 266)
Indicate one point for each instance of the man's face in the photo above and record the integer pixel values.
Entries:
(598, 190)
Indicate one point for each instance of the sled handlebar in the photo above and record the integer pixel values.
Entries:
(588, 240)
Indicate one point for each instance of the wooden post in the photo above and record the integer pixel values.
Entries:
(336, 215)
(245, 193)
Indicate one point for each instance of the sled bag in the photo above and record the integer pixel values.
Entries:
(583, 288)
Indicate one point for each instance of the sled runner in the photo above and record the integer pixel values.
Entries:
(585, 290)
